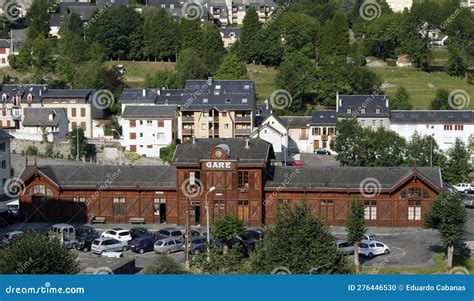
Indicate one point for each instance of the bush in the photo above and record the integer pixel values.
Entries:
(164, 265)
(131, 156)
(227, 227)
(37, 254)
(31, 151)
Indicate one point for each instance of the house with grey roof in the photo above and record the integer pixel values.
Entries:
(322, 129)
(298, 133)
(146, 129)
(274, 130)
(370, 110)
(43, 124)
(230, 36)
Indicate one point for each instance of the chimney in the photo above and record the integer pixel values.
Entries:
(387, 101)
(338, 101)
(266, 103)
(194, 139)
(209, 81)
(247, 143)
(144, 92)
(158, 92)
(40, 92)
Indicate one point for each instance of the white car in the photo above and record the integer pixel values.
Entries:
(371, 248)
(105, 245)
(464, 187)
(120, 235)
(369, 236)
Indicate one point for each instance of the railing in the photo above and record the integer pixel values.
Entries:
(242, 131)
(243, 118)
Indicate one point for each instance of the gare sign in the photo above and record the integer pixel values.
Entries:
(220, 165)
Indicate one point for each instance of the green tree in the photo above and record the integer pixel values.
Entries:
(335, 39)
(440, 102)
(226, 227)
(300, 32)
(191, 66)
(383, 148)
(457, 167)
(190, 35)
(248, 47)
(447, 215)
(164, 265)
(38, 18)
(212, 47)
(349, 142)
(231, 68)
(77, 138)
(356, 229)
(167, 152)
(37, 254)
(159, 34)
(401, 101)
(218, 262)
(383, 35)
(457, 64)
(72, 23)
(270, 48)
(423, 151)
(166, 78)
(300, 243)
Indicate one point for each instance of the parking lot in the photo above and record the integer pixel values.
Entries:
(409, 246)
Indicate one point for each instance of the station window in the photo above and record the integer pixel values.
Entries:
(370, 212)
(243, 180)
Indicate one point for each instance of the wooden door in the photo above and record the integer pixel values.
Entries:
(327, 211)
(315, 144)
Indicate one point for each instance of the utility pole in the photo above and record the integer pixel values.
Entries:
(77, 140)
(186, 237)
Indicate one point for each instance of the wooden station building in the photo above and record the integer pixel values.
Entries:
(246, 183)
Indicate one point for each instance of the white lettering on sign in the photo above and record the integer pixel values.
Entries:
(219, 165)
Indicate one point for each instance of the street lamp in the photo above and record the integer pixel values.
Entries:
(207, 216)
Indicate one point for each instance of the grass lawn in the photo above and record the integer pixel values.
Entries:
(421, 86)
(136, 71)
(264, 78)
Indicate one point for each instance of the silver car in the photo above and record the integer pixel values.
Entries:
(168, 245)
(345, 247)
(107, 244)
(10, 236)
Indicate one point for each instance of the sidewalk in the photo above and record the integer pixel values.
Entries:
(381, 231)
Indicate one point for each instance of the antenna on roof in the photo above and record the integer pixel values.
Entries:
(194, 139)
(247, 142)
(35, 161)
(26, 161)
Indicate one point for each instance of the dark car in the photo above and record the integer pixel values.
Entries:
(85, 235)
(198, 245)
(142, 244)
(137, 232)
(169, 233)
(322, 151)
(251, 237)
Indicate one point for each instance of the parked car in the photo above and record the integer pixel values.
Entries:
(168, 245)
(85, 236)
(143, 244)
(62, 232)
(14, 207)
(345, 247)
(297, 163)
(136, 232)
(9, 237)
(468, 201)
(70, 243)
(169, 233)
(369, 236)
(118, 234)
(107, 244)
(447, 186)
(251, 237)
(197, 245)
(371, 248)
(322, 151)
(464, 187)
(198, 231)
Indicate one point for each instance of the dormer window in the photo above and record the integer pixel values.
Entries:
(29, 98)
(227, 100)
(218, 87)
(377, 110)
(349, 111)
(244, 100)
(363, 111)
(4, 97)
(246, 87)
(204, 100)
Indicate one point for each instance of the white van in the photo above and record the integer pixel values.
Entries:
(63, 232)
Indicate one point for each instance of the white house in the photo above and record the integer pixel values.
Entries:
(5, 161)
(322, 129)
(39, 124)
(444, 126)
(274, 131)
(146, 129)
(5, 50)
(298, 133)
(399, 5)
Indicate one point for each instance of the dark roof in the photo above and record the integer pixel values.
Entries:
(346, 177)
(259, 151)
(149, 112)
(358, 102)
(40, 116)
(323, 117)
(219, 94)
(403, 116)
(138, 96)
(117, 176)
(56, 20)
(112, 2)
(4, 43)
(4, 135)
(68, 93)
(296, 121)
(226, 32)
(24, 90)
(172, 96)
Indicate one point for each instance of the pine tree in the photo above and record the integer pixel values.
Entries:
(212, 47)
(191, 66)
(355, 226)
(401, 101)
(457, 168)
(190, 35)
(335, 39)
(441, 100)
(159, 34)
(248, 46)
(231, 68)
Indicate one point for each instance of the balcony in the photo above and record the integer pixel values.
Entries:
(188, 119)
(243, 118)
(188, 131)
(242, 132)
(324, 137)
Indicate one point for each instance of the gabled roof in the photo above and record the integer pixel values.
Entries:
(227, 32)
(323, 117)
(343, 177)
(23, 91)
(431, 116)
(149, 112)
(258, 152)
(294, 122)
(117, 177)
(4, 135)
(40, 116)
(68, 93)
(4, 43)
(359, 102)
